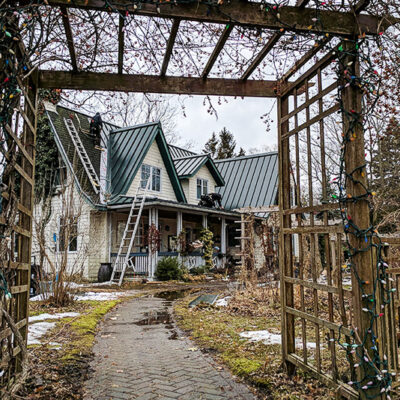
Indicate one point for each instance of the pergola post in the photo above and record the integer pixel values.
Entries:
(285, 242)
(362, 261)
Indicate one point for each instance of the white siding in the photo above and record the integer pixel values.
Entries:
(191, 191)
(91, 251)
(153, 158)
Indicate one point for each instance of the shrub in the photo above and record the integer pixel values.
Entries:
(168, 268)
(198, 270)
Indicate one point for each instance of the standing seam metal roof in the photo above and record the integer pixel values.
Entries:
(178, 152)
(188, 166)
(250, 181)
(127, 150)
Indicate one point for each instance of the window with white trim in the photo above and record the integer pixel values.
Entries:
(154, 174)
(202, 187)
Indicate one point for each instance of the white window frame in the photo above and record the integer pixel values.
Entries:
(202, 182)
(152, 167)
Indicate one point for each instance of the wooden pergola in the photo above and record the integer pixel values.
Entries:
(299, 19)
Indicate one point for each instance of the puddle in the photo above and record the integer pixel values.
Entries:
(173, 295)
(154, 318)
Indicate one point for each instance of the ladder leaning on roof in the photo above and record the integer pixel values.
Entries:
(76, 140)
(123, 259)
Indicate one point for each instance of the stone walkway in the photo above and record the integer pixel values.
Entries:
(140, 354)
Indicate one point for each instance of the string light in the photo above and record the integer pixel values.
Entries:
(367, 82)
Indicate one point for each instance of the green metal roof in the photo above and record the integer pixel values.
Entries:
(250, 181)
(127, 150)
(179, 152)
(188, 166)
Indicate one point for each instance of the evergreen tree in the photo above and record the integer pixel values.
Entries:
(226, 146)
(211, 146)
(241, 152)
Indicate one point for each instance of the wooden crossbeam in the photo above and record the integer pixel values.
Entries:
(262, 54)
(170, 45)
(245, 13)
(156, 84)
(302, 3)
(217, 49)
(121, 44)
(303, 60)
(70, 39)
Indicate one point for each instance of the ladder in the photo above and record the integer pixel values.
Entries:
(76, 140)
(123, 259)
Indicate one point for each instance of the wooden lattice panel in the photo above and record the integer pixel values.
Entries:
(17, 155)
(316, 288)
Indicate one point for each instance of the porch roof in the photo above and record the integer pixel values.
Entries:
(125, 203)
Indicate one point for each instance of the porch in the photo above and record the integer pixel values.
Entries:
(179, 230)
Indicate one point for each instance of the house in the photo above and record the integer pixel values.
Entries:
(107, 180)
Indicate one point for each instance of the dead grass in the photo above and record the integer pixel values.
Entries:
(218, 331)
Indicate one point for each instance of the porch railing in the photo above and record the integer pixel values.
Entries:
(140, 261)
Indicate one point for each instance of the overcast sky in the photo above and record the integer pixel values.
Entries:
(240, 116)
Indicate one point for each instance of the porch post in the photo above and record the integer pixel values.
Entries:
(223, 240)
(179, 227)
(205, 221)
(153, 256)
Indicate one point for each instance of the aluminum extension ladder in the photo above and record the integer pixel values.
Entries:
(123, 260)
(76, 140)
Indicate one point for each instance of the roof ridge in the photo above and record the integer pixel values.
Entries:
(181, 148)
(134, 127)
(270, 153)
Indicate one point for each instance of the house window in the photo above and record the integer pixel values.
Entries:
(202, 187)
(68, 235)
(155, 174)
(61, 174)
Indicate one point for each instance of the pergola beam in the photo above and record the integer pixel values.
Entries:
(245, 14)
(217, 49)
(70, 39)
(156, 84)
(262, 54)
(170, 45)
(121, 44)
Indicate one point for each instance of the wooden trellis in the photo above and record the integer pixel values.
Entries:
(18, 170)
(313, 311)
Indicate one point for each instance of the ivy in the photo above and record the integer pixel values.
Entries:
(206, 236)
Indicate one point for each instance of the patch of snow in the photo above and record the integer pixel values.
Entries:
(36, 331)
(44, 316)
(99, 296)
(272, 338)
(222, 302)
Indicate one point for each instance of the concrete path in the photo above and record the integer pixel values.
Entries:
(140, 354)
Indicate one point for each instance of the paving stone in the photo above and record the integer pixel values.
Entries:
(144, 364)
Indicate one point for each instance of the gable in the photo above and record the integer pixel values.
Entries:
(127, 151)
(154, 158)
(187, 167)
(190, 184)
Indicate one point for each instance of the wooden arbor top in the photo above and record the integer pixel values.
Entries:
(238, 13)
